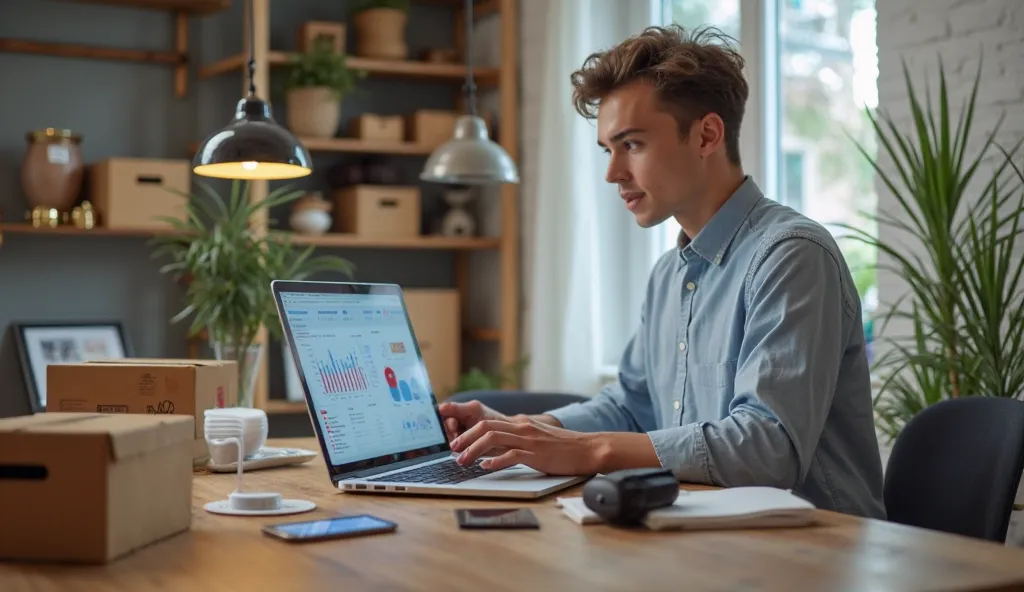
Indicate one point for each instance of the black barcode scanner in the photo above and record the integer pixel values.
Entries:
(624, 497)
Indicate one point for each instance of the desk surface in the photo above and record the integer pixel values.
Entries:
(429, 552)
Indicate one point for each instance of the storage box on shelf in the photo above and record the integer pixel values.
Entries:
(133, 193)
(378, 210)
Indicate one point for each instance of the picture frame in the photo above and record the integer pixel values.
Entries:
(40, 344)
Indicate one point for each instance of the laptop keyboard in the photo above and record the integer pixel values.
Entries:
(445, 473)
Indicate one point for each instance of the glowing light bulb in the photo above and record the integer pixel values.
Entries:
(250, 165)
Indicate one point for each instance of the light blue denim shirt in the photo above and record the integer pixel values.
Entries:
(748, 366)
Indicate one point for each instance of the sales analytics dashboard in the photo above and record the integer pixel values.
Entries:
(369, 388)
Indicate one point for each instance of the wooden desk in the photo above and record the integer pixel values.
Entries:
(429, 552)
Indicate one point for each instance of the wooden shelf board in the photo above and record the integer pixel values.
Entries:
(417, 242)
(69, 50)
(14, 227)
(394, 68)
(284, 406)
(197, 7)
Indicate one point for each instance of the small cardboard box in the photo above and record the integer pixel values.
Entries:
(131, 193)
(437, 321)
(144, 385)
(431, 127)
(91, 487)
(378, 210)
(378, 128)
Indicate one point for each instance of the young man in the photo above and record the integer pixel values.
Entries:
(748, 366)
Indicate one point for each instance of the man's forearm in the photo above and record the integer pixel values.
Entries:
(615, 451)
(547, 420)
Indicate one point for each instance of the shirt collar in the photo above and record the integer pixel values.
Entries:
(713, 241)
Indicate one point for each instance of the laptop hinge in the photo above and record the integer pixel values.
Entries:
(392, 466)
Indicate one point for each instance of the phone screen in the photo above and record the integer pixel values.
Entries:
(331, 527)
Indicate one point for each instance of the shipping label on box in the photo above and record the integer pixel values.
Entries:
(143, 385)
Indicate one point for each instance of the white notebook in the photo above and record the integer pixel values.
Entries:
(736, 507)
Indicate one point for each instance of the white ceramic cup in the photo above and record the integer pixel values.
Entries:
(221, 424)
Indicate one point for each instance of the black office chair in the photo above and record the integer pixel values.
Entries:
(516, 402)
(956, 465)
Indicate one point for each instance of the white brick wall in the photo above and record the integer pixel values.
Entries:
(961, 31)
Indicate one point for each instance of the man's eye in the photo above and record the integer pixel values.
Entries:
(630, 145)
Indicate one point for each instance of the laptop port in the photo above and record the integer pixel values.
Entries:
(360, 486)
(379, 487)
(399, 488)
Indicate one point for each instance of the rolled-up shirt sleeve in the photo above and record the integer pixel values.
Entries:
(622, 406)
(785, 376)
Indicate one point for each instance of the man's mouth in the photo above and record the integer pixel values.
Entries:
(632, 199)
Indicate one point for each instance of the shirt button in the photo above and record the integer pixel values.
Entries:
(682, 347)
(676, 404)
(691, 286)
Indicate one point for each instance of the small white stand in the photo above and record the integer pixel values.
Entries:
(242, 503)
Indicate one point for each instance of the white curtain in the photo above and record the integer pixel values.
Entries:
(586, 261)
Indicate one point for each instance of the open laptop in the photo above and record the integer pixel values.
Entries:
(370, 400)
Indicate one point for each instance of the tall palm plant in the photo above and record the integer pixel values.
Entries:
(960, 207)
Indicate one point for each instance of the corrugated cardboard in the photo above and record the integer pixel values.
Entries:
(436, 319)
(91, 487)
(145, 385)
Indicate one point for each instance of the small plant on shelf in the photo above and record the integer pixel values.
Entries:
(380, 28)
(318, 81)
(228, 266)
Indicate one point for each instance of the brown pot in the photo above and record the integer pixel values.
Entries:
(314, 112)
(51, 174)
(380, 33)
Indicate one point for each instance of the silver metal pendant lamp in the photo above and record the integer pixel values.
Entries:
(470, 157)
(252, 145)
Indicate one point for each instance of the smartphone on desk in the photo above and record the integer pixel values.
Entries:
(338, 527)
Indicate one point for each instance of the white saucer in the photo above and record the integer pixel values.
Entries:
(287, 506)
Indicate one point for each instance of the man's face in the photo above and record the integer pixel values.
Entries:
(659, 171)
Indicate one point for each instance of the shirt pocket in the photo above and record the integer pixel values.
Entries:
(718, 375)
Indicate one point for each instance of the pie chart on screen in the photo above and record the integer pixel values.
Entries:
(389, 377)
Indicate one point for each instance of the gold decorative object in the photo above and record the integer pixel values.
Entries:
(43, 217)
(84, 216)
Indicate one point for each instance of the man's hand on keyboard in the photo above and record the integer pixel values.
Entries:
(532, 442)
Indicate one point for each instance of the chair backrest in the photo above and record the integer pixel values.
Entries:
(956, 466)
(516, 402)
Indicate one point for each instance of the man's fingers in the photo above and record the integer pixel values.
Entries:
(509, 459)
(490, 441)
(488, 425)
(451, 425)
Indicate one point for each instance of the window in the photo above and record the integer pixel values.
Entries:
(813, 69)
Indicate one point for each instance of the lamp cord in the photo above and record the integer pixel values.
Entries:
(470, 85)
(252, 50)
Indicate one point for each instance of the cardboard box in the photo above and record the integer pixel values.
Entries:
(131, 193)
(431, 127)
(437, 320)
(91, 487)
(378, 128)
(144, 385)
(378, 210)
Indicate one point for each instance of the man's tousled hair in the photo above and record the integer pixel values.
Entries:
(694, 73)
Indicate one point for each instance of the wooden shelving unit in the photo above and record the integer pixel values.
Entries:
(503, 80)
(177, 57)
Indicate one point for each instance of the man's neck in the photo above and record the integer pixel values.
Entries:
(719, 192)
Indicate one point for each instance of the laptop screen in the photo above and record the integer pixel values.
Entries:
(368, 387)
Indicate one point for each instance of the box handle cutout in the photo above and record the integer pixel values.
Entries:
(23, 472)
(388, 203)
(150, 179)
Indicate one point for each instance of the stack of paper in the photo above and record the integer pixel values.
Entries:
(737, 507)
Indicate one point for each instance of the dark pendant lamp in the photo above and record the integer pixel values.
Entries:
(470, 157)
(253, 145)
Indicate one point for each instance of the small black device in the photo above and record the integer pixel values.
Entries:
(338, 527)
(496, 518)
(624, 497)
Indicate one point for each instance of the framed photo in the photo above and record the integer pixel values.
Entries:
(42, 344)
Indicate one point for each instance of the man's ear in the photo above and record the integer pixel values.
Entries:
(712, 133)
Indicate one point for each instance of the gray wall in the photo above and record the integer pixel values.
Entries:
(126, 109)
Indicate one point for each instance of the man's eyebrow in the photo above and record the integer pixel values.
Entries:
(621, 135)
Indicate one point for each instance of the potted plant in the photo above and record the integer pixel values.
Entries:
(318, 80)
(380, 28)
(960, 207)
(228, 267)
